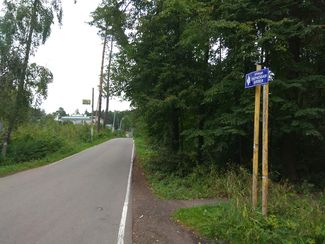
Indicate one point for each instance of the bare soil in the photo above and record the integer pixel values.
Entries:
(151, 221)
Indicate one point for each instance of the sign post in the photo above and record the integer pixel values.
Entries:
(90, 102)
(256, 79)
(265, 173)
(256, 141)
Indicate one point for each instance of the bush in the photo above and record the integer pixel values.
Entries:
(35, 141)
(31, 147)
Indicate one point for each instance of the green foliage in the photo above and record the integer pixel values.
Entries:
(30, 147)
(293, 218)
(44, 141)
(60, 113)
(296, 213)
(24, 26)
(172, 181)
(183, 69)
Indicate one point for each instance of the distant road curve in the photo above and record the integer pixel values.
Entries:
(78, 200)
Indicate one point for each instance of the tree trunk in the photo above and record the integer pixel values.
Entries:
(289, 156)
(108, 82)
(21, 82)
(6, 140)
(101, 79)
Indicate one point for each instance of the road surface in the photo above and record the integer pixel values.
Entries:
(78, 200)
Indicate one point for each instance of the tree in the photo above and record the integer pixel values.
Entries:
(30, 23)
(36, 114)
(182, 63)
(87, 113)
(60, 113)
(107, 83)
(108, 19)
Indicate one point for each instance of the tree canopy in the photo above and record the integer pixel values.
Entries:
(183, 68)
(24, 26)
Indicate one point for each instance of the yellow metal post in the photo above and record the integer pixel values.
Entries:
(256, 141)
(265, 171)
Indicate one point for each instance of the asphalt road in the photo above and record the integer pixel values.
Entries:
(78, 200)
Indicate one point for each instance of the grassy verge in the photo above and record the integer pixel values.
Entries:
(292, 218)
(69, 147)
(296, 215)
(167, 185)
(201, 182)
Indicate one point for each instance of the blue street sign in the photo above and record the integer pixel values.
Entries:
(256, 78)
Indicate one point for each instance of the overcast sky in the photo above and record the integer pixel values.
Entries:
(73, 54)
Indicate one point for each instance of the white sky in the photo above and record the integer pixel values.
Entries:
(73, 54)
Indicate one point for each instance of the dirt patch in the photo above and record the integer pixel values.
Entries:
(151, 221)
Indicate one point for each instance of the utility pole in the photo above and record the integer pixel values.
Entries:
(108, 82)
(113, 128)
(121, 123)
(92, 115)
(101, 79)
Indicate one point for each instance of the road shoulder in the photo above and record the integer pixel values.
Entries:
(151, 221)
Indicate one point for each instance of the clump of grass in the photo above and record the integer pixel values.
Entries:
(292, 218)
(202, 182)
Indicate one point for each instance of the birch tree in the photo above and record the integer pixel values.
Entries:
(28, 26)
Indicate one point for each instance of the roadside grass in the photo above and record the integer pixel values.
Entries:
(296, 214)
(36, 144)
(202, 182)
(292, 218)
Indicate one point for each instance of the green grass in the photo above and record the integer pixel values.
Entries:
(296, 214)
(300, 220)
(74, 139)
(202, 182)
(12, 168)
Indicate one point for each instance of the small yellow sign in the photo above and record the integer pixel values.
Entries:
(86, 102)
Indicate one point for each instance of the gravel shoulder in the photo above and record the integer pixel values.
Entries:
(151, 221)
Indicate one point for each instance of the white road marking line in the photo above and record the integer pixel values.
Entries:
(121, 232)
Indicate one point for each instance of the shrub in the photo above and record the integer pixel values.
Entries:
(30, 147)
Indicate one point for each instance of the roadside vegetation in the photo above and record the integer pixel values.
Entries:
(296, 212)
(182, 65)
(40, 143)
(292, 218)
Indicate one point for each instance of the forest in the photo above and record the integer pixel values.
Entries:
(182, 64)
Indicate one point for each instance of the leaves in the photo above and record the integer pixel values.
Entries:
(183, 68)
(23, 27)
